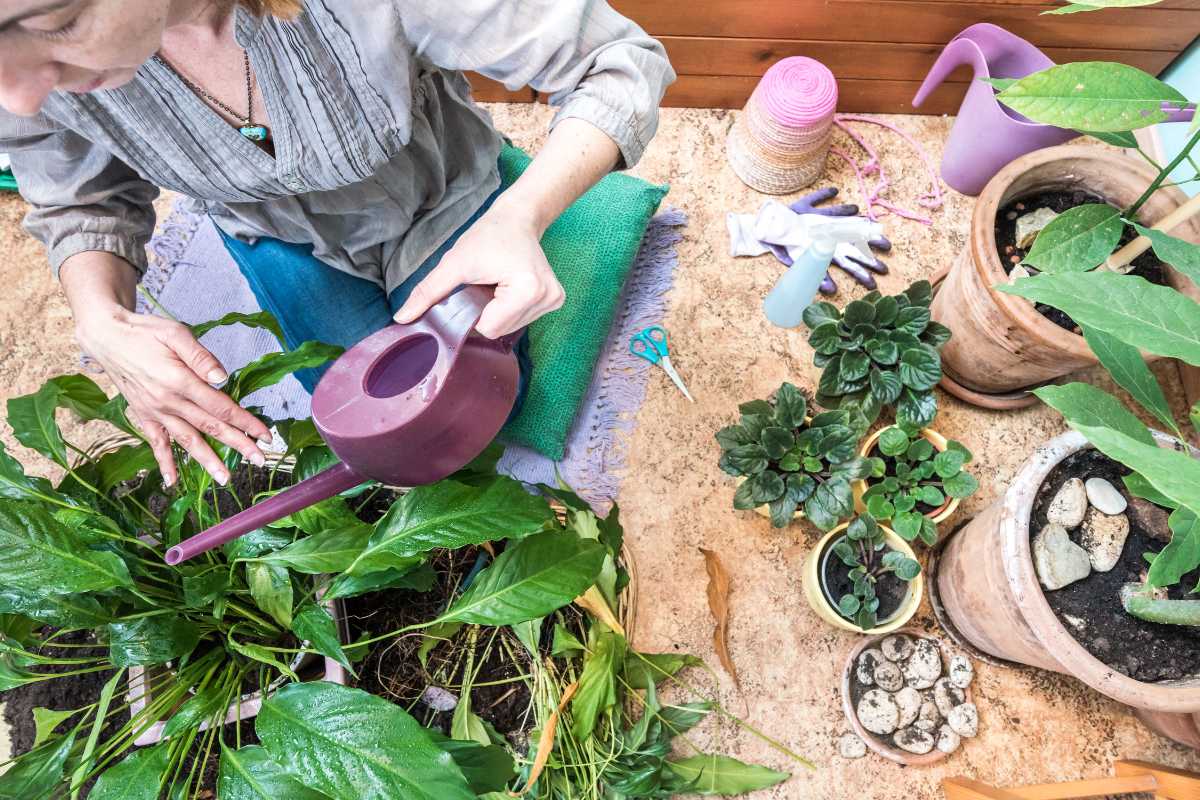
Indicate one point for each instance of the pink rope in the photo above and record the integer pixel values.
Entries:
(873, 197)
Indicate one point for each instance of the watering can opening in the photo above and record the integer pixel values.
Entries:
(402, 367)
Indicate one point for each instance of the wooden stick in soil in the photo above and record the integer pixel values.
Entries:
(1120, 260)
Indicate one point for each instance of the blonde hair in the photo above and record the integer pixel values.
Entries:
(285, 9)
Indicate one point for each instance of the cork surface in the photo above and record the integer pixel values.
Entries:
(1035, 727)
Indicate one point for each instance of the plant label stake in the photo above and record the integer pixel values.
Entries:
(407, 406)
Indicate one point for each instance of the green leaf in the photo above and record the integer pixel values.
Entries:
(202, 590)
(920, 450)
(35, 775)
(849, 605)
(931, 496)
(271, 588)
(274, 367)
(16, 485)
(907, 569)
(1091, 96)
(45, 720)
(658, 666)
(597, 692)
(936, 334)
(885, 386)
(790, 406)
(884, 352)
(912, 320)
(351, 745)
(678, 720)
(854, 366)
(199, 708)
(466, 726)
(748, 459)
(916, 409)
(59, 610)
(487, 768)
(255, 544)
(948, 463)
(757, 408)
(733, 436)
(1131, 373)
(565, 643)
(531, 578)
(819, 313)
(418, 576)
(32, 419)
(722, 775)
(329, 551)
(1140, 487)
(1182, 553)
(1116, 138)
(825, 339)
(1084, 405)
(451, 515)
(1180, 255)
(1077, 240)
(1159, 319)
(42, 555)
(256, 652)
(313, 624)
(249, 773)
(147, 641)
(259, 319)
(920, 293)
(960, 485)
(920, 367)
(777, 441)
(831, 503)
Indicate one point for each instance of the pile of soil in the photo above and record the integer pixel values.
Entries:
(1147, 265)
(1144, 651)
(836, 582)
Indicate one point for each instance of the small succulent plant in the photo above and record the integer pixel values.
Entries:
(864, 550)
(915, 472)
(880, 351)
(791, 462)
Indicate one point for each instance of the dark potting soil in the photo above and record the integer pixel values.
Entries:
(835, 582)
(393, 670)
(1144, 651)
(1146, 265)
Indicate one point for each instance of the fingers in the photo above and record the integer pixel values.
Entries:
(160, 445)
(194, 355)
(223, 432)
(191, 441)
(516, 304)
(882, 244)
(444, 279)
(856, 271)
(805, 204)
(781, 253)
(827, 285)
(840, 210)
(222, 408)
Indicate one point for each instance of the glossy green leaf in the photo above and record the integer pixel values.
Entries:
(255, 544)
(59, 610)
(777, 441)
(1077, 240)
(565, 643)
(249, 773)
(531, 578)
(147, 641)
(333, 512)
(882, 352)
(679, 719)
(1183, 256)
(1116, 138)
(1182, 553)
(274, 367)
(16, 485)
(418, 576)
(854, 365)
(1140, 487)
(137, 777)
(657, 666)
(1158, 319)
(203, 589)
(33, 422)
(351, 745)
(832, 502)
(916, 409)
(35, 775)
(948, 463)
(451, 515)
(920, 367)
(259, 319)
(200, 707)
(722, 775)
(825, 338)
(45, 720)
(885, 386)
(271, 588)
(487, 768)
(327, 552)
(1131, 373)
(313, 624)
(790, 406)
(911, 320)
(1091, 96)
(960, 485)
(1084, 405)
(893, 441)
(42, 555)
(819, 313)
(597, 692)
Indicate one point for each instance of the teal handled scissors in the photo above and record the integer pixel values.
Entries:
(651, 344)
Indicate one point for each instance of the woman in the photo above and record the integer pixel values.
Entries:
(335, 145)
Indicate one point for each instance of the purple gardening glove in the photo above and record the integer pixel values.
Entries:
(849, 259)
(808, 203)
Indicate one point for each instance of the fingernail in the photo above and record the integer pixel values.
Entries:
(217, 376)
(222, 478)
(257, 459)
(168, 482)
(265, 440)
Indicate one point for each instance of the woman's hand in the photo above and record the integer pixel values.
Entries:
(501, 249)
(160, 368)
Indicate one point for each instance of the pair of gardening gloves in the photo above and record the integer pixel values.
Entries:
(777, 229)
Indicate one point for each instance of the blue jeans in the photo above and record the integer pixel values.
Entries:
(314, 301)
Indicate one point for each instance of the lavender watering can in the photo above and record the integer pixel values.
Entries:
(407, 406)
(986, 135)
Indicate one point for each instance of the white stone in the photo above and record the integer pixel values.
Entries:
(1059, 561)
(1077, 623)
(439, 699)
(964, 720)
(864, 669)
(915, 740)
(946, 696)
(1018, 272)
(1031, 224)
(1104, 497)
(929, 717)
(961, 672)
(888, 676)
(1069, 504)
(1103, 537)
(851, 746)
(924, 666)
(948, 741)
(877, 712)
(896, 648)
(908, 700)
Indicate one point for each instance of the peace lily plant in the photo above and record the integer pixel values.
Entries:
(1122, 315)
(84, 589)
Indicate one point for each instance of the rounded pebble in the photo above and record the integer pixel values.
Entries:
(961, 672)
(964, 720)
(915, 740)
(1104, 497)
(896, 648)
(864, 670)
(888, 676)
(928, 718)
(908, 700)
(948, 741)
(877, 712)
(1069, 504)
(924, 666)
(946, 696)
(851, 746)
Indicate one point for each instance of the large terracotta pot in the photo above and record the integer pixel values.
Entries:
(1001, 343)
(1182, 728)
(989, 590)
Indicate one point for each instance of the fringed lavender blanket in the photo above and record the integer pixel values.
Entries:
(194, 278)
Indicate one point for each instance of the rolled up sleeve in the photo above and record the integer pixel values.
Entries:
(81, 198)
(594, 64)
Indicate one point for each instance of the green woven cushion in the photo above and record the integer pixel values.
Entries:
(591, 247)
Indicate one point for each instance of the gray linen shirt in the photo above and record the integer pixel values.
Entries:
(380, 153)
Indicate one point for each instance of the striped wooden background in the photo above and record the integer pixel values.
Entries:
(879, 50)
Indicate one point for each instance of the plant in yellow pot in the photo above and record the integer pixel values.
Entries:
(862, 577)
(921, 479)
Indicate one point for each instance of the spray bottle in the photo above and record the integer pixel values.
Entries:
(785, 304)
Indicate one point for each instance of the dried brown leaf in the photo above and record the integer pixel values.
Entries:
(546, 741)
(718, 603)
(592, 600)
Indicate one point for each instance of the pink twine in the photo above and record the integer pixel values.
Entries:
(873, 198)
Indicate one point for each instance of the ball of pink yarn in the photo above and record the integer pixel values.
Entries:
(798, 92)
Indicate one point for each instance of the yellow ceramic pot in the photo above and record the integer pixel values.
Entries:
(811, 581)
(939, 443)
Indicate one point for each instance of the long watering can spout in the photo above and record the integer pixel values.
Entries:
(321, 486)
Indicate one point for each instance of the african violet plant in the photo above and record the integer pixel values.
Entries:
(792, 462)
(864, 550)
(879, 351)
(914, 472)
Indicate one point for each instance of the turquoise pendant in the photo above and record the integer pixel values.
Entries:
(255, 133)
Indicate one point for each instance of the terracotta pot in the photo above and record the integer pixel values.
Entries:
(860, 487)
(813, 593)
(1181, 728)
(873, 741)
(990, 592)
(1000, 342)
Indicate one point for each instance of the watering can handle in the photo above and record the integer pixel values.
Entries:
(453, 319)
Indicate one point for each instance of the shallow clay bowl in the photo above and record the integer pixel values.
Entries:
(873, 741)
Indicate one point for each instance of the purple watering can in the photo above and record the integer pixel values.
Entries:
(407, 406)
(986, 135)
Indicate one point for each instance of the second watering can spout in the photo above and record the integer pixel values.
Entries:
(407, 406)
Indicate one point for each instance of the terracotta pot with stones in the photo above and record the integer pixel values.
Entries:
(988, 588)
(1001, 343)
(1182, 728)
